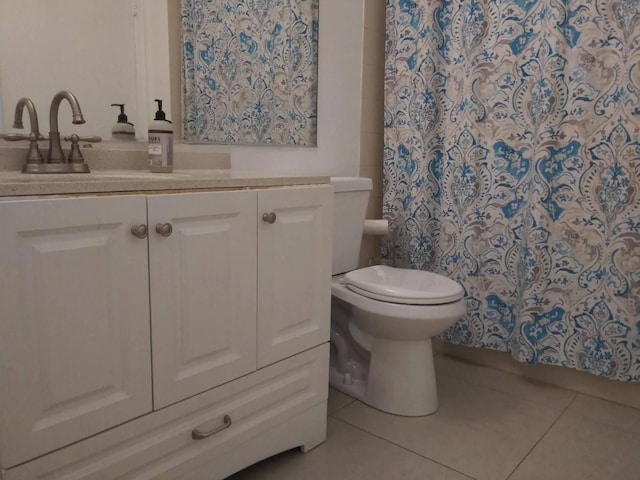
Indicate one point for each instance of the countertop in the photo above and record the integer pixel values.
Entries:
(15, 183)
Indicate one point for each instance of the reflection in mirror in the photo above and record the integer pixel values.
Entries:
(84, 46)
(250, 72)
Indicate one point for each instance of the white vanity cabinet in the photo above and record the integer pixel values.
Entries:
(217, 321)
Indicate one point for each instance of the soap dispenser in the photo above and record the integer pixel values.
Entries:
(160, 142)
(123, 129)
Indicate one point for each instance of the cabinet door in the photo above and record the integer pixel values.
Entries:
(203, 291)
(74, 321)
(294, 270)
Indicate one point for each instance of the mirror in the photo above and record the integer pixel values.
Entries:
(85, 46)
(101, 51)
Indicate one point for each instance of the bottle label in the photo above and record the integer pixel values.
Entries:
(155, 149)
(160, 148)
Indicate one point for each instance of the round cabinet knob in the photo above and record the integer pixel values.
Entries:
(164, 229)
(269, 217)
(140, 230)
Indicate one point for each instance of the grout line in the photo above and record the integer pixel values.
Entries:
(386, 440)
(543, 435)
(607, 400)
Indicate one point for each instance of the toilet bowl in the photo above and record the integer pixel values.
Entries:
(397, 376)
(383, 318)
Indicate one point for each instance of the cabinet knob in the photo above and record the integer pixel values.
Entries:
(199, 435)
(269, 217)
(140, 230)
(164, 229)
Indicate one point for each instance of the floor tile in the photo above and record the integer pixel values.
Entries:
(337, 400)
(348, 454)
(591, 441)
(626, 393)
(479, 431)
(514, 385)
(602, 411)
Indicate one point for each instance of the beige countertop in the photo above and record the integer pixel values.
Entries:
(15, 183)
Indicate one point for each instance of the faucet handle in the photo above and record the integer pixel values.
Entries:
(33, 155)
(75, 155)
(16, 137)
(76, 138)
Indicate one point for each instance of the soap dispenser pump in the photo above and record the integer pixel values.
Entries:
(123, 129)
(160, 142)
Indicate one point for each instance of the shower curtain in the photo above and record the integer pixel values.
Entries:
(512, 165)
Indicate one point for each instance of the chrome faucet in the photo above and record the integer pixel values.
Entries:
(34, 157)
(56, 155)
(56, 162)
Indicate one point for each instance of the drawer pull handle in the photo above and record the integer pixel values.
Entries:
(198, 435)
(269, 217)
(164, 229)
(140, 230)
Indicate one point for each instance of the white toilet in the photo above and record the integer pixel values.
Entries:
(383, 318)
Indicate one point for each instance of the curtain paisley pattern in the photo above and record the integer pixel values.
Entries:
(250, 71)
(512, 165)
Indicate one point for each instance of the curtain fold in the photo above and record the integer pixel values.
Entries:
(512, 165)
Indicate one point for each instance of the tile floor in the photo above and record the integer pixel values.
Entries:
(491, 425)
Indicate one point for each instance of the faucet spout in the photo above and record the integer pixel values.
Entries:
(55, 154)
(33, 115)
(34, 157)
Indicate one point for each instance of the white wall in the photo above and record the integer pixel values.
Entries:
(371, 127)
(339, 93)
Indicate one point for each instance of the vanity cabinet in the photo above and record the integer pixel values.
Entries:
(216, 319)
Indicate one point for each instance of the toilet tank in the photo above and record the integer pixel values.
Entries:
(350, 197)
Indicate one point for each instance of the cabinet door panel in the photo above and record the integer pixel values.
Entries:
(203, 291)
(294, 271)
(74, 317)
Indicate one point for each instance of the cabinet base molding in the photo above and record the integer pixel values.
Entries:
(277, 408)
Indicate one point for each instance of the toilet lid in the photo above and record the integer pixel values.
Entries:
(402, 285)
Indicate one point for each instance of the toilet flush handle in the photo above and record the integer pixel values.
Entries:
(269, 217)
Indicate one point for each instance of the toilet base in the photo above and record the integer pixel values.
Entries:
(401, 378)
(355, 389)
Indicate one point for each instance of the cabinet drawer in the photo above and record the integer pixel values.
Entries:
(160, 445)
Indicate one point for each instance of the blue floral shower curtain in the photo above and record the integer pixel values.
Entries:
(512, 165)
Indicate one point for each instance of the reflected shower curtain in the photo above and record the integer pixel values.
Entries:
(250, 71)
(512, 165)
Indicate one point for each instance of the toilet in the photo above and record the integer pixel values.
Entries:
(383, 318)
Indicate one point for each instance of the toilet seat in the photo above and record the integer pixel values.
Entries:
(396, 320)
(401, 285)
